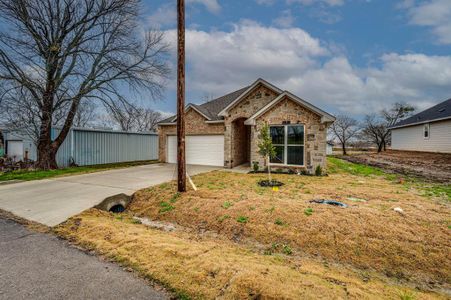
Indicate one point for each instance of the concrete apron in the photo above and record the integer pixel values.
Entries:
(53, 201)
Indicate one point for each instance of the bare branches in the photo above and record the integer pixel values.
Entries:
(376, 128)
(131, 118)
(64, 53)
(344, 129)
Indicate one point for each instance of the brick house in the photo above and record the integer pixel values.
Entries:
(225, 131)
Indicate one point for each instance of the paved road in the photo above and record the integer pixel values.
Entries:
(52, 201)
(40, 266)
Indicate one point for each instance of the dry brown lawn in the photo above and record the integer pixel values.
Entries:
(238, 240)
(200, 267)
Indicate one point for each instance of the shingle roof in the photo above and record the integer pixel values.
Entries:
(213, 107)
(440, 111)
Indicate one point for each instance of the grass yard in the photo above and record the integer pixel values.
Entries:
(235, 239)
(27, 175)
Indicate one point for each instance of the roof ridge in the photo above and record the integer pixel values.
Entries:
(228, 94)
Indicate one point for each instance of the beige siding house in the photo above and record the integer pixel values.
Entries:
(428, 131)
(225, 131)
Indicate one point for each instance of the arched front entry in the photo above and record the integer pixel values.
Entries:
(241, 150)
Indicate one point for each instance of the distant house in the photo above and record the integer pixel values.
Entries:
(330, 148)
(225, 131)
(428, 131)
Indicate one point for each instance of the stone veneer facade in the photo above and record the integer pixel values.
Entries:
(235, 141)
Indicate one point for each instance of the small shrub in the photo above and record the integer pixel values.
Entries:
(136, 221)
(242, 219)
(165, 207)
(227, 204)
(318, 171)
(308, 211)
(279, 222)
(255, 166)
(223, 218)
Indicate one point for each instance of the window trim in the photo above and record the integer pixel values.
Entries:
(426, 128)
(285, 145)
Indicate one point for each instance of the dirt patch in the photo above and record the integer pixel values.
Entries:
(369, 234)
(429, 166)
(204, 268)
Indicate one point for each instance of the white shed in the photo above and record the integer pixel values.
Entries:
(428, 131)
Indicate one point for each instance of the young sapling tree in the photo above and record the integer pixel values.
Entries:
(266, 148)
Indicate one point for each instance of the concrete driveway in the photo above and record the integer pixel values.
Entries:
(52, 201)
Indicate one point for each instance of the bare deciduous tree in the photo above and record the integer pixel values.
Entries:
(376, 128)
(132, 118)
(63, 52)
(344, 128)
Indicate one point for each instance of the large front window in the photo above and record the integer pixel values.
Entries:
(288, 141)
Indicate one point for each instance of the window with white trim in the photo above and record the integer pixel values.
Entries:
(288, 140)
(426, 131)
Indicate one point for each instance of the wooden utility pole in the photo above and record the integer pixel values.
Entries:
(181, 164)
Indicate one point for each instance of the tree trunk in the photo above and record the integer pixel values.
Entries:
(343, 146)
(269, 169)
(385, 146)
(46, 152)
(379, 147)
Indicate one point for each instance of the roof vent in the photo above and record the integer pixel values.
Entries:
(441, 110)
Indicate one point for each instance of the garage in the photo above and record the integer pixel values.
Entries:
(200, 150)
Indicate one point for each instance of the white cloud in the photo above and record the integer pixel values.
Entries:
(220, 61)
(163, 16)
(433, 13)
(285, 20)
(310, 2)
(212, 5)
(265, 2)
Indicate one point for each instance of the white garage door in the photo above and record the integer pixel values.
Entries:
(200, 150)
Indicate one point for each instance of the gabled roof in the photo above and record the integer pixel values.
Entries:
(261, 81)
(441, 111)
(215, 110)
(211, 108)
(325, 117)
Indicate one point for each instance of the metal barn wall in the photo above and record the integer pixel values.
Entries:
(93, 147)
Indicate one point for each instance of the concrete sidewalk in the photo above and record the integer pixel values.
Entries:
(52, 201)
(40, 266)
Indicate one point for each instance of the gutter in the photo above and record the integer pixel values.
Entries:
(421, 122)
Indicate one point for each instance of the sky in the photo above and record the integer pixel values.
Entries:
(345, 56)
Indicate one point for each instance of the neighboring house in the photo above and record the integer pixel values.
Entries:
(428, 131)
(225, 131)
(330, 148)
(85, 146)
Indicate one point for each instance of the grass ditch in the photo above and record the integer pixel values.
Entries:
(200, 267)
(412, 246)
